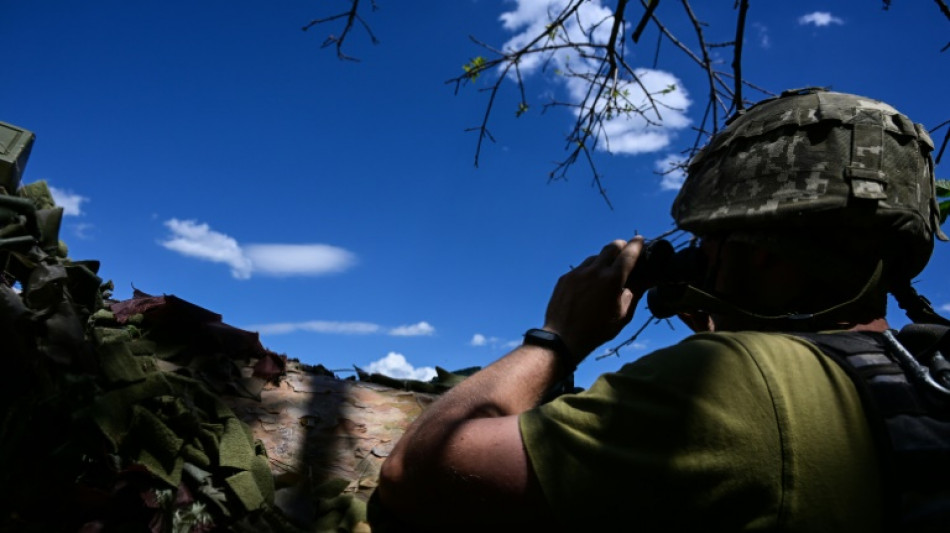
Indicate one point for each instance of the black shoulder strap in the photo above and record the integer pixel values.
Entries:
(870, 356)
(908, 418)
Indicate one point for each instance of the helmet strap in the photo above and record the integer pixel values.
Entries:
(667, 300)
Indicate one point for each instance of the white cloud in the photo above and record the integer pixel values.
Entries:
(533, 16)
(342, 328)
(762, 32)
(820, 19)
(623, 134)
(316, 326)
(395, 365)
(298, 259)
(200, 241)
(673, 175)
(69, 201)
(192, 239)
(81, 230)
(481, 340)
(414, 330)
(945, 308)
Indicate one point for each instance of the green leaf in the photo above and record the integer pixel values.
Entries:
(944, 210)
(522, 108)
(943, 188)
(474, 67)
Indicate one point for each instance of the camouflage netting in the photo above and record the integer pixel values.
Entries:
(152, 414)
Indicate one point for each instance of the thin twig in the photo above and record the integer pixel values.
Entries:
(943, 8)
(351, 15)
(643, 20)
(737, 102)
(616, 349)
(656, 55)
(943, 146)
(707, 62)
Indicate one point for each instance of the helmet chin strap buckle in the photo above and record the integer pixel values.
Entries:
(800, 316)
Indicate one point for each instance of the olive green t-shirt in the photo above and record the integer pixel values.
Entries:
(722, 432)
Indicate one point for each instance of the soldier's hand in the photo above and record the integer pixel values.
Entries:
(590, 304)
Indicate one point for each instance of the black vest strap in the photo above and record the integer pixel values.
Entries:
(908, 415)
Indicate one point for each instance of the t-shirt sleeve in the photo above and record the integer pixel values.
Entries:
(686, 436)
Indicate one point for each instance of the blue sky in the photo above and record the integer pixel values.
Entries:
(214, 151)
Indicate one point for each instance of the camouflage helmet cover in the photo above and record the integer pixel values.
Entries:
(813, 159)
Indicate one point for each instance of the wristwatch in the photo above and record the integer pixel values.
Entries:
(551, 341)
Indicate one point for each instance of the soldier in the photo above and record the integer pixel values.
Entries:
(809, 208)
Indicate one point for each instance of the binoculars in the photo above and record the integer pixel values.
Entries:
(663, 273)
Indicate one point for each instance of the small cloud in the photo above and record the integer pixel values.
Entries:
(341, 328)
(672, 172)
(81, 230)
(762, 33)
(69, 201)
(316, 326)
(298, 259)
(196, 240)
(481, 340)
(414, 330)
(395, 365)
(945, 308)
(819, 19)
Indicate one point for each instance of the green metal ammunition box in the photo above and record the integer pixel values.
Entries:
(15, 146)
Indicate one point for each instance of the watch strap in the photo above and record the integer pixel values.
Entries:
(551, 341)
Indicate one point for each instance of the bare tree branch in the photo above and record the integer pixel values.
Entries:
(943, 8)
(706, 64)
(612, 88)
(737, 102)
(943, 145)
(351, 15)
(607, 77)
(644, 19)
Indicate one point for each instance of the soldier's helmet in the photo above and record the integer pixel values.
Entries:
(815, 160)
